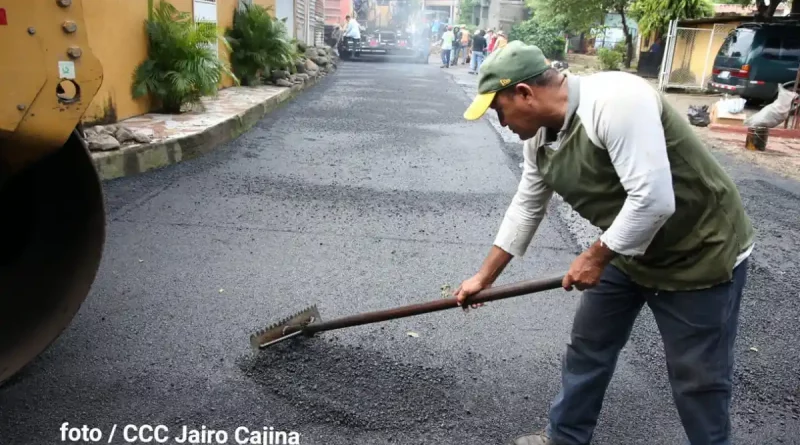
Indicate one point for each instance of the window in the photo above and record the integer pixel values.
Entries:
(772, 48)
(783, 48)
(790, 51)
(738, 43)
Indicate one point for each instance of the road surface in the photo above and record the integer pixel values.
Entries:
(367, 192)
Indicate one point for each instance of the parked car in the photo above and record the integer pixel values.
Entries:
(755, 58)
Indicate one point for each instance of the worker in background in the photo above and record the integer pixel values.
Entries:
(336, 37)
(456, 45)
(492, 41)
(437, 24)
(500, 41)
(463, 43)
(675, 235)
(352, 29)
(478, 51)
(447, 46)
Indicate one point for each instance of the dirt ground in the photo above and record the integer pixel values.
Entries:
(781, 156)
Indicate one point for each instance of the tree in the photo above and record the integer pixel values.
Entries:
(465, 8)
(546, 36)
(654, 16)
(579, 16)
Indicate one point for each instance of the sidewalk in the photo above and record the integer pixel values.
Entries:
(782, 155)
(178, 137)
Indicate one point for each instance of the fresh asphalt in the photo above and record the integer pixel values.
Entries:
(369, 191)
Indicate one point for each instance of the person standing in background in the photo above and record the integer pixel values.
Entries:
(478, 51)
(491, 43)
(464, 43)
(447, 46)
(456, 45)
(501, 41)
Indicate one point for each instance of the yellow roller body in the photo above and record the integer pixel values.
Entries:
(52, 216)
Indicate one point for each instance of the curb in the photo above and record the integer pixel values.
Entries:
(142, 158)
(787, 133)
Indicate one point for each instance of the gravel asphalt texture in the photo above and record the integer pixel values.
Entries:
(368, 192)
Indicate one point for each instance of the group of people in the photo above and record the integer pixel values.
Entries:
(457, 41)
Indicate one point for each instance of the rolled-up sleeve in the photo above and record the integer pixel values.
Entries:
(629, 126)
(527, 209)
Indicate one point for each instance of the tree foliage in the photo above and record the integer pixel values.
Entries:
(579, 16)
(655, 15)
(465, 9)
(546, 35)
(573, 16)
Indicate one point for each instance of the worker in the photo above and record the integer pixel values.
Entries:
(464, 39)
(352, 29)
(675, 234)
(501, 40)
(478, 48)
(492, 42)
(446, 45)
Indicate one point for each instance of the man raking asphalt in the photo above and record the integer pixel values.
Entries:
(675, 234)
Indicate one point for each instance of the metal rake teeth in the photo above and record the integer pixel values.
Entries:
(275, 332)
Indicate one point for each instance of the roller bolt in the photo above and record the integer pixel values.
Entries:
(64, 3)
(31, 30)
(74, 52)
(69, 27)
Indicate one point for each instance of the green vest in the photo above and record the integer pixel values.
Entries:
(698, 246)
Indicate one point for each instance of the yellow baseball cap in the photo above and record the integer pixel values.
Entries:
(508, 66)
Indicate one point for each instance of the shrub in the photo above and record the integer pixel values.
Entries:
(609, 59)
(182, 65)
(549, 38)
(259, 42)
(622, 48)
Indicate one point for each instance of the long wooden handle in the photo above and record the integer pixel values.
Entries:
(486, 295)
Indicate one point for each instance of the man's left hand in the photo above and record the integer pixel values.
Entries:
(586, 270)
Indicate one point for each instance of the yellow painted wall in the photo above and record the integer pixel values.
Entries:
(695, 49)
(225, 10)
(117, 37)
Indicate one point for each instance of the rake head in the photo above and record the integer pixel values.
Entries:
(285, 329)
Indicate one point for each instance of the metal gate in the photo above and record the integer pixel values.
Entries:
(689, 55)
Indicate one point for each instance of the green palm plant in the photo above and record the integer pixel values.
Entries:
(182, 65)
(259, 42)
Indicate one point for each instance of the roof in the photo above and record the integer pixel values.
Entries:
(733, 19)
(713, 20)
(741, 10)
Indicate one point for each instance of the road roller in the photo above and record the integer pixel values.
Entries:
(52, 214)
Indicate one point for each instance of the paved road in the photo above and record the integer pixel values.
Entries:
(367, 192)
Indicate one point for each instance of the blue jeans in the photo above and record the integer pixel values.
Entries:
(456, 52)
(476, 61)
(698, 329)
(446, 57)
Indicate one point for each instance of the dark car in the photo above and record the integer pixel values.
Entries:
(755, 58)
(384, 43)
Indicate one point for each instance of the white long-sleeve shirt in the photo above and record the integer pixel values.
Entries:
(621, 113)
(352, 30)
